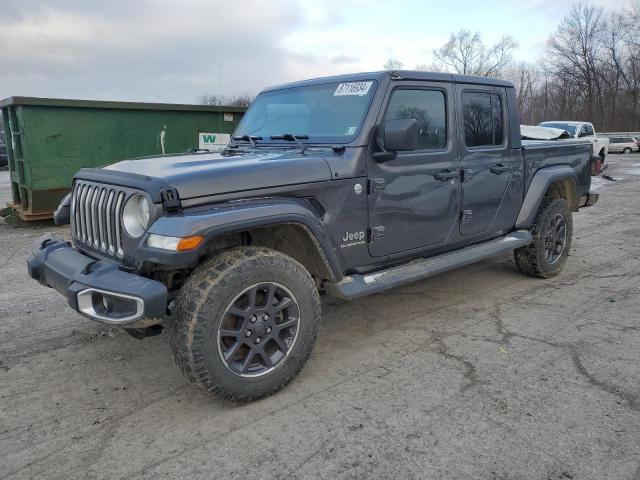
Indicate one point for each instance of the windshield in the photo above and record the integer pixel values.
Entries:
(569, 127)
(326, 113)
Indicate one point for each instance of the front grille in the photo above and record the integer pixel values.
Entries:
(96, 211)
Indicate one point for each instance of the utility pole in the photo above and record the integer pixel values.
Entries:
(220, 102)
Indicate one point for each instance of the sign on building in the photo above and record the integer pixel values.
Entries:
(213, 141)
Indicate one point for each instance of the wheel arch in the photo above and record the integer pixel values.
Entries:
(559, 181)
(290, 226)
(293, 238)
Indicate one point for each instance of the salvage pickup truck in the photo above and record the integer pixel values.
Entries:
(343, 186)
(585, 131)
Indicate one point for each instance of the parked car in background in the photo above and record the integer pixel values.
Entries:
(4, 160)
(582, 130)
(624, 144)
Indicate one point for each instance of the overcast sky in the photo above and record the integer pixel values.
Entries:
(171, 51)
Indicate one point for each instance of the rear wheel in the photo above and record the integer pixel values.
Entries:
(552, 232)
(245, 323)
(626, 151)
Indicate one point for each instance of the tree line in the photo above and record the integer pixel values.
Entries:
(590, 70)
(243, 100)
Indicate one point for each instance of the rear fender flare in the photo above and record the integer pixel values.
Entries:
(538, 188)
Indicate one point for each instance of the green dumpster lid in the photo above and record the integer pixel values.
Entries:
(64, 102)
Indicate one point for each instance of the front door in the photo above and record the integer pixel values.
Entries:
(486, 160)
(414, 198)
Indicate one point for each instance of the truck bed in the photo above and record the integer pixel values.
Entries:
(538, 154)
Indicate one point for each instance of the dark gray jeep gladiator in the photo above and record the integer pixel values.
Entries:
(344, 186)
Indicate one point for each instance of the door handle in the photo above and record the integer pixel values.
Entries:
(499, 168)
(445, 175)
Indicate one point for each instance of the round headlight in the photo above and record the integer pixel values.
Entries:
(135, 216)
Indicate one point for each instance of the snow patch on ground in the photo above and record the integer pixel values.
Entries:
(598, 182)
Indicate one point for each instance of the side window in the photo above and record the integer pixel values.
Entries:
(483, 119)
(428, 108)
(590, 130)
(583, 131)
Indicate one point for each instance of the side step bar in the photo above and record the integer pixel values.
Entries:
(355, 286)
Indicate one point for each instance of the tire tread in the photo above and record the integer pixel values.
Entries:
(527, 258)
(186, 336)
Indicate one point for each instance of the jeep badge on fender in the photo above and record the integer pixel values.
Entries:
(352, 239)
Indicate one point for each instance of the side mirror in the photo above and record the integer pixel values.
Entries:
(399, 135)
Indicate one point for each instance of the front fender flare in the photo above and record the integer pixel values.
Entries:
(538, 187)
(238, 216)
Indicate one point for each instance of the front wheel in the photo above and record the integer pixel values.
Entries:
(626, 151)
(245, 323)
(552, 232)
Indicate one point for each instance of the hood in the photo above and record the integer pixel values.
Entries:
(530, 132)
(200, 174)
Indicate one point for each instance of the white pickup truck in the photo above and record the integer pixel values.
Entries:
(583, 130)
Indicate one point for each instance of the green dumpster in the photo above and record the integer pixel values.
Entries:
(49, 140)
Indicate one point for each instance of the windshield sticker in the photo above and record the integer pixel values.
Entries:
(351, 130)
(353, 88)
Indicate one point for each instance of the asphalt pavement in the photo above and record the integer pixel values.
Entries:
(480, 373)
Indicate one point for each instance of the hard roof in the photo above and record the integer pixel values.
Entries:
(398, 75)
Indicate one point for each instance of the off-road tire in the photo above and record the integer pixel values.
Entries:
(531, 259)
(202, 302)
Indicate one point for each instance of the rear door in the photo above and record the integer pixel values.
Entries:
(486, 158)
(414, 198)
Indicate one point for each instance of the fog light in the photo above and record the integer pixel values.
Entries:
(110, 307)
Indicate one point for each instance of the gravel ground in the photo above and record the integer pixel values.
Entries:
(480, 373)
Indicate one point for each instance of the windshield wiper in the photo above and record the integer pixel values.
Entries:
(249, 138)
(292, 138)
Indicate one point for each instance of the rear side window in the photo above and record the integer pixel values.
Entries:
(483, 119)
(590, 130)
(428, 108)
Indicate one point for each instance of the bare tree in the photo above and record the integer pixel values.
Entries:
(575, 56)
(243, 100)
(393, 64)
(466, 54)
(591, 71)
(432, 67)
(527, 78)
(631, 62)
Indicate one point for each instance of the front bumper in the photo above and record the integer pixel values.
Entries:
(97, 289)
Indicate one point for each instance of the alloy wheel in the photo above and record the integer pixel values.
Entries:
(259, 329)
(555, 238)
